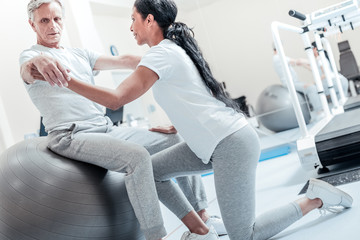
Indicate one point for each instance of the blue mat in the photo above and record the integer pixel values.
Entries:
(270, 153)
(274, 152)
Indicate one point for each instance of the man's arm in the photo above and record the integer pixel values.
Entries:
(300, 62)
(117, 62)
(45, 68)
(26, 73)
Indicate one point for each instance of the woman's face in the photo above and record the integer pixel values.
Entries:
(138, 27)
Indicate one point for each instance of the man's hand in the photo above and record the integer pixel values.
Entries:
(46, 68)
(166, 130)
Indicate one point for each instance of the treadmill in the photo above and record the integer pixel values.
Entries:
(336, 137)
(339, 140)
(352, 103)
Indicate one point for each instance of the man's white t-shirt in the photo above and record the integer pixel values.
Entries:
(61, 107)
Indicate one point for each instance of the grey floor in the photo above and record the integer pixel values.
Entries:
(279, 180)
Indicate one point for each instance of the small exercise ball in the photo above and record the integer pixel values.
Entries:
(275, 110)
(44, 196)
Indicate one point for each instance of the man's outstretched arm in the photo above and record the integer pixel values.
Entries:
(44, 68)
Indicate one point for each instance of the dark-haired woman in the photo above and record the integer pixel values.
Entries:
(216, 133)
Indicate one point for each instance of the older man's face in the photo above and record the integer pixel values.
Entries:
(48, 24)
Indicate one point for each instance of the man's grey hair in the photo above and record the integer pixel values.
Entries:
(35, 4)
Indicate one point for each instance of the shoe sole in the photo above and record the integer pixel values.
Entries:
(318, 185)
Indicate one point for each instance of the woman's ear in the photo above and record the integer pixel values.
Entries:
(150, 19)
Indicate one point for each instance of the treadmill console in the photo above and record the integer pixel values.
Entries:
(334, 11)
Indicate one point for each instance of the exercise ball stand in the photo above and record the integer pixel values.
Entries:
(45, 196)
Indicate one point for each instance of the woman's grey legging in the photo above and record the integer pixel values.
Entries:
(234, 164)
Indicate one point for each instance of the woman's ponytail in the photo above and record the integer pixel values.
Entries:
(183, 36)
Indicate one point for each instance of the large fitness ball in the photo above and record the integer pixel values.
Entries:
(275, 110)
(44, 196)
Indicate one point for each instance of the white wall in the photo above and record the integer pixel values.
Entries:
(116, 31)
(6, 138)
(2, 147)
(234, 36)
(16, 35)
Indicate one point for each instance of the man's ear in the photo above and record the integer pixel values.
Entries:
(32, 25)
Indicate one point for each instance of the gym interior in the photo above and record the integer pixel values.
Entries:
(298, 140)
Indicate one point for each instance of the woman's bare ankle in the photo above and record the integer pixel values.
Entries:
(308, 205)
(195, 224)
(203, 215)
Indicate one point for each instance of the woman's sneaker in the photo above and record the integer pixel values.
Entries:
(218, 225)
(211, 235)
(332, 197)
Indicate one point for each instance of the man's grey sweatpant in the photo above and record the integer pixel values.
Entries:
(128, 150)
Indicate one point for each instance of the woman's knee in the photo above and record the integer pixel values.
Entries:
(139, 157)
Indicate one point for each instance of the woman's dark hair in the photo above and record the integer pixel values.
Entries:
(164, 12)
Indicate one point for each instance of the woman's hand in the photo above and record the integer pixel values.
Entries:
(50, 70)
(34, 72)
(166, 129)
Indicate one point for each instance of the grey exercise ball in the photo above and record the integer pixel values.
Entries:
(44, 196)
(275, 110)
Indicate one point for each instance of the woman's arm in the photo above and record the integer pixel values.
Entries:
(130, 89)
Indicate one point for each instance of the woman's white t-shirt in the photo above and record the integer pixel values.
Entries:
(201, 119)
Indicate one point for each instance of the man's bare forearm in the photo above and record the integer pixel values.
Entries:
(25, 72)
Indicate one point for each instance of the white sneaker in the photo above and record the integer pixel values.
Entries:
(211, 235)
(218, 225)
(331, 196)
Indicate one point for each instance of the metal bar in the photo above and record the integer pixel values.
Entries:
(275, 26)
